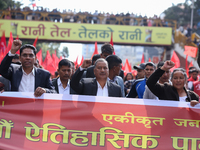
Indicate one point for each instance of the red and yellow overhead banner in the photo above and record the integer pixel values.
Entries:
(77, 32)
(76, 122)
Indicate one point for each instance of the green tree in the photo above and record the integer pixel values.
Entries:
(182, 12)
(5, 4)
(48, 46)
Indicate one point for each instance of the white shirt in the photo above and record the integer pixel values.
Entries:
(182, 99)
(27, 83)
(102, 91)
(61, 89)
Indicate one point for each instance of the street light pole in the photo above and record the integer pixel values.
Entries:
(192, 12)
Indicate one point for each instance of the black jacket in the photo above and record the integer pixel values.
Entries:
(166, 91)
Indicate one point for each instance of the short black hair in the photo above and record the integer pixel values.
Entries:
(64, 62)
(16, 56)
(95, 57)
(160, 64)
(192, 67)
(113, 60)
(107, 48)
(28, 46)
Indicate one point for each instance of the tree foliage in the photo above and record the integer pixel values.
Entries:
(6, 4)
(51, 47)
(182, 12)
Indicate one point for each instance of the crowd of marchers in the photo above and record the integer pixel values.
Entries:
(101, 76)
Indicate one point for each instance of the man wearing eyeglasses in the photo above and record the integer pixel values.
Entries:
(26, 77)
(138, 87)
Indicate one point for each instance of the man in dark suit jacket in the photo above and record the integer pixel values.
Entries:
(26, 77)
(106, 50)
(98, 86)
(61, 83)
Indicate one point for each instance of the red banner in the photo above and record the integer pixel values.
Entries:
(75, 122)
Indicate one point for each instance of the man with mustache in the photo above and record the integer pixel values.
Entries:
(25, 77)
(98, 86)
(62, 83)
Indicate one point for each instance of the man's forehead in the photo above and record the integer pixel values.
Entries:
(27, 50)
(148, 66)
(101, 63)
(65, 67)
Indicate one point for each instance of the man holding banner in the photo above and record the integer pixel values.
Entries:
(25, 77)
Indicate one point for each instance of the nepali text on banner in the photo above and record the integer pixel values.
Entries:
(87, 32)
(56, 121)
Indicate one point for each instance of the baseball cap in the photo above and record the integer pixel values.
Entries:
(150, 64)
(141, 66)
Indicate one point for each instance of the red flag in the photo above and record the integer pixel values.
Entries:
(48, 64)
(176, 60)
(2, 46)
(55, 60)
(39, 57)
(149, 59)
(190, 65)
(186, 65)
(9, 44)
(81, 62)
(34, 4)
(35, 42)
(111, 42)
(190, 51)
(134, 72)
(142, 60)
(122, 66)
(127, 67)
(95, 50)
(76, 62)
(60, 58)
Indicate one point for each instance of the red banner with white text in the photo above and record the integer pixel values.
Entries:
(57, 122)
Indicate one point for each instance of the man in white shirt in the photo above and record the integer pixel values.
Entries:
(98, 86)
(25, 77)
(62, 83)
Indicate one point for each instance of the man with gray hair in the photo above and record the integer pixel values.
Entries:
(98, 86)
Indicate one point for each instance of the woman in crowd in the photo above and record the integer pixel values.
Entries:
(127, 85)
(174, 92)
(129, 76)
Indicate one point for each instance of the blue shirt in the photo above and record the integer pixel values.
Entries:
(137, 89)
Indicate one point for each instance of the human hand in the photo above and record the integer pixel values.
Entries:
(39, 91)
(16, 46)
(193, 103)
(168, 65)
(86, 63)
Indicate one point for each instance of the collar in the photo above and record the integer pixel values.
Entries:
(60, 83)
(114, 80)
(99, 86)
(32, 72)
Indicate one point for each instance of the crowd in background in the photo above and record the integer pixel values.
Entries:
(101, 76)
(73, 16)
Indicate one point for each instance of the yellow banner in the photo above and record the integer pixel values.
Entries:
(76, 32)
